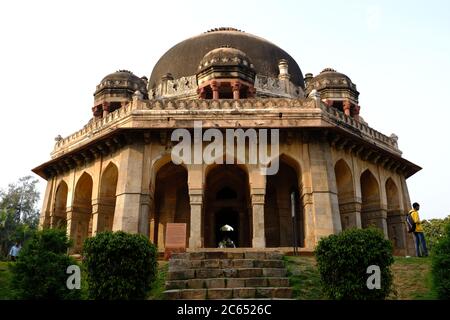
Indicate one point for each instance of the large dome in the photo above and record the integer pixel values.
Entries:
(183, 59)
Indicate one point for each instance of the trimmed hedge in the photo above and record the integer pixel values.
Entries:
(119, 265)
(343, 260)
(40, 271)
(440, 265)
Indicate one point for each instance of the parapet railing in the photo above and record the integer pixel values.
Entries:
(96, 125)
(361, 126)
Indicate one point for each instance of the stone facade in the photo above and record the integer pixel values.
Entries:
(117, 173)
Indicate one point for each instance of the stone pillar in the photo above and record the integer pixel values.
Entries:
(251, 92)
(350, 215)
(324, 190)
(97, 111)
(215, 90)
(257, 198)
(46, 216)
(396, 223)
(196, 201)
(144, 227)
(201, 93)
(106, 108)
(328, 102)
(236, 86)
(71, 228)
(378, 219)
(356, 112)
(129, 193)
(97, 223)
(410, 241)
(347, 107)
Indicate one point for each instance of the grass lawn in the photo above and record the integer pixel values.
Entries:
(412, 278)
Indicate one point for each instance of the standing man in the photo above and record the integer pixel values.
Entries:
(418, 232)
(14, 252)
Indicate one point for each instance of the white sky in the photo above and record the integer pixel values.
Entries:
(54, 53)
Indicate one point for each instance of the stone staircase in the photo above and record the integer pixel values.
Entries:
(227, 275)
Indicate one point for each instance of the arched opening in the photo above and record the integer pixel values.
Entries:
(59, 219)
(278, 222)
(395, 225)
(81, 224)
(346, 195)
(227, 202)
(371, 214)
(171, 201)
(107, 200)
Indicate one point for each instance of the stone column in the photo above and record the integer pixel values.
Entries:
(257, 198)
(236, 86)
(215, 90)
(356, 112)
(350, 214)
(196, 201)
(71, 228)
(129, 193)
(45, 219)
(347, 107)
(378, 219)
(397, 231)
(97, 111)
(106, 108)
(251, 92)
(324, 190)
(201, 93)
(97, 223)
(410, 241)
(144, 215)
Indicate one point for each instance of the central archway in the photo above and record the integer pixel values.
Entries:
(227, 201)
(278, 221)
(171, 201)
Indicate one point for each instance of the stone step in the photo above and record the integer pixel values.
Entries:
(187, 274)
(182, 264)
(273, 255)
(229, 293)
(227, 283)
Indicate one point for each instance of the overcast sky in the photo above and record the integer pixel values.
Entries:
(54, 53)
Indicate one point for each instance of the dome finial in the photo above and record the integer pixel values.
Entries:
(224, 29)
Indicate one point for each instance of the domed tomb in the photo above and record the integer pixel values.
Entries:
(182, 62)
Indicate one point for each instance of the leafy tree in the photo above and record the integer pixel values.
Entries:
(440, 262)
(40, 271)
(434, 230)
(19, 216)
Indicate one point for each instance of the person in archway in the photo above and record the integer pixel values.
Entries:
(227, 243)
(421, 245)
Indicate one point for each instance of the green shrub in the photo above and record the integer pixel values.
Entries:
(343, 260)
(434, 230)
(440, 265)
(40, 271)
(119, 265)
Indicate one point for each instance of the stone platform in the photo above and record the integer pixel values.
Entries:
(230, 274)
